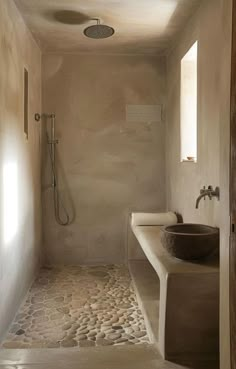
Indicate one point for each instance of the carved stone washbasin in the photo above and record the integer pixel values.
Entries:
(188, 241)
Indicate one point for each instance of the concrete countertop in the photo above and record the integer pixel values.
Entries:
(163, 263)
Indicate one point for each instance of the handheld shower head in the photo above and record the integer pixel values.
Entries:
(99, 31)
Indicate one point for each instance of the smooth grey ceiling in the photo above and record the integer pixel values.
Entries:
(141, 26)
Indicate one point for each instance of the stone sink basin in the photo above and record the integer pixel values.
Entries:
(189, 241)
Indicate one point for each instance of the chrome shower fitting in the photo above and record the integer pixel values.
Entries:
(52, 142)
(38, 117)
(99, 31)
(210, 192)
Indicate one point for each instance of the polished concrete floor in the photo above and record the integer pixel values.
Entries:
(143, 356)
(82, 306)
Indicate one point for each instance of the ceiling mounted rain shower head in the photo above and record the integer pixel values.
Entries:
(99, 31)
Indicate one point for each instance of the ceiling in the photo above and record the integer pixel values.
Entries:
(141, 26)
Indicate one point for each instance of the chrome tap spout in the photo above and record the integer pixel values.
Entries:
(208, 192)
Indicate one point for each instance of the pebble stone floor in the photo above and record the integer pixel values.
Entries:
(80, 306)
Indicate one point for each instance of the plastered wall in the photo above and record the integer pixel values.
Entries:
(107, 167)
(20, 189)
(211, 26)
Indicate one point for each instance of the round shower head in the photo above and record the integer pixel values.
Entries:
(99, 31)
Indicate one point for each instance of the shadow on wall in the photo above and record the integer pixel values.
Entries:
(69, 17)
(171, 15)
(177, 13)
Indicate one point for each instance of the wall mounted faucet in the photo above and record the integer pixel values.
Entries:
(210, 192)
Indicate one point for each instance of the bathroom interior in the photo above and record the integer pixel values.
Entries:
(114, 186)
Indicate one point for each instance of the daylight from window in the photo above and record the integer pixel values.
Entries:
(10, 201)
(189, 105)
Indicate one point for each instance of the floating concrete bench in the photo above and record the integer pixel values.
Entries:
(179, 299)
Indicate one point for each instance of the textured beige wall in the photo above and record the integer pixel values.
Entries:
(225, 74)
(211, 26)
(109, 167)
(20, 200)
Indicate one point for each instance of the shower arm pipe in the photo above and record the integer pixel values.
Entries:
(97, 19)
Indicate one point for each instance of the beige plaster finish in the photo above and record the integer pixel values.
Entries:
(225, 74)
(147, 289)
(211, 25)
(107, 167)
(189, 295)
(20, 190)
(118, 357)
(141, 27)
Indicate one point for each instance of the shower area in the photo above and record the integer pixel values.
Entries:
(74, 303)
(71, 305)
(95, 163)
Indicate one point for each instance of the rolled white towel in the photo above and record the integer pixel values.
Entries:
(144, 219)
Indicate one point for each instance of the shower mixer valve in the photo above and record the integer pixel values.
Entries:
(210, 192)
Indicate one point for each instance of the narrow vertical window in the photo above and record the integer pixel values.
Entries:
(189, 105)
(26, 102)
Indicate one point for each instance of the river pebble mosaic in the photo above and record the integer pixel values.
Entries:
(78, 306)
